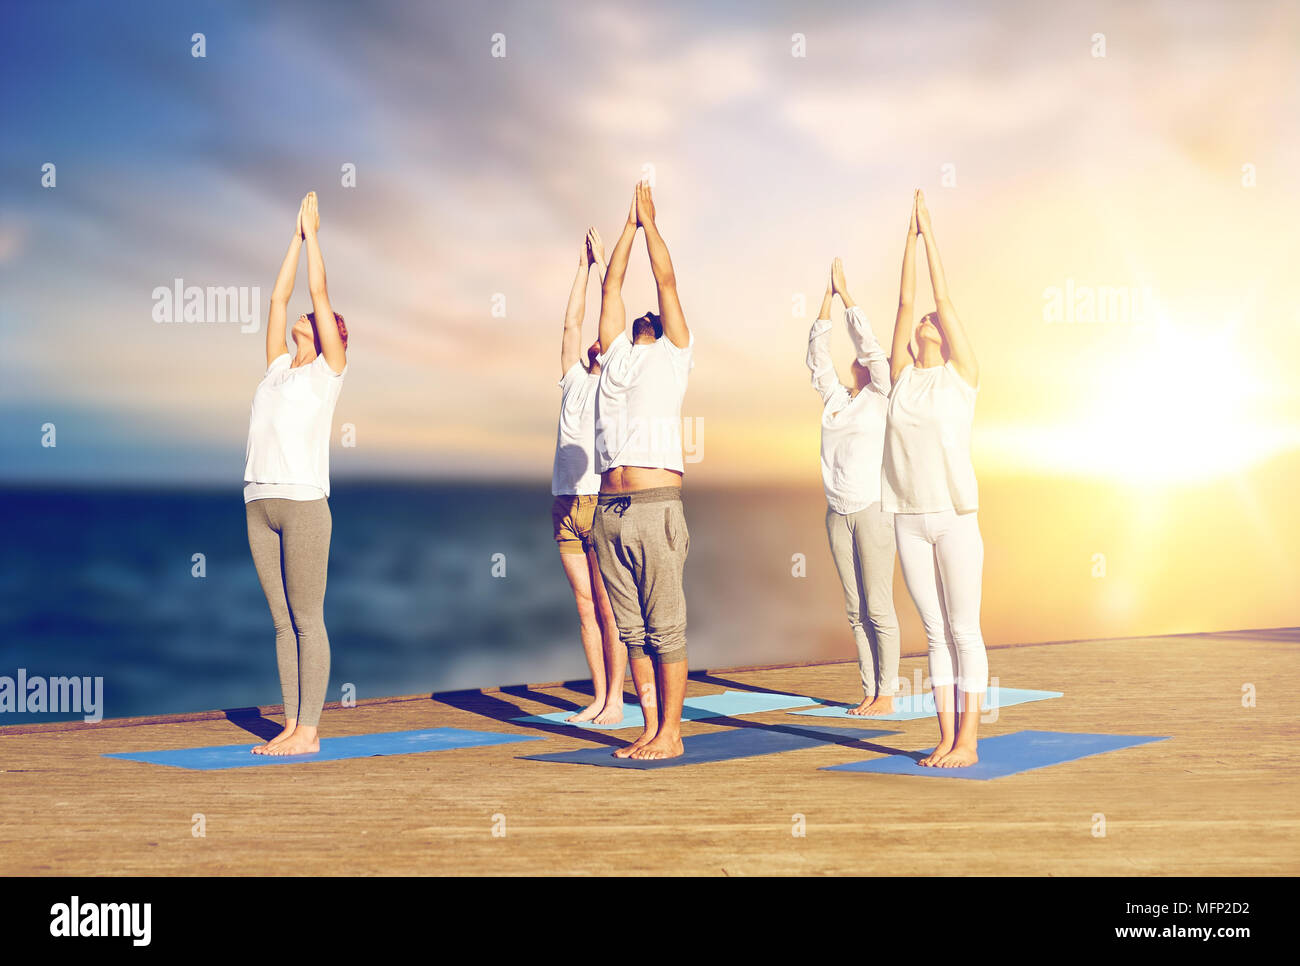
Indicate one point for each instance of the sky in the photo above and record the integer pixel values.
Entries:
(1158, 180)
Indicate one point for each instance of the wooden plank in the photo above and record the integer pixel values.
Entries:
(1217, 799)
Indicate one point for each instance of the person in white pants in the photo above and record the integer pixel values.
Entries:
(861, 534)
(928, 483)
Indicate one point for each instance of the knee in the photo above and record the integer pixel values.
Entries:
(968, 639)
(668, 643)
(309, 627)
(633, 638)
(586, 605)
(882, 616)
(939, 642)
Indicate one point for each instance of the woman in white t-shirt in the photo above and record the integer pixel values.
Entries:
(286, 485)
(928, 483)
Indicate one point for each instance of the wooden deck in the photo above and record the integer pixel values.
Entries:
(1219, 798)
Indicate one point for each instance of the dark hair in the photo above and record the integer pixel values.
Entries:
(648, 323)
(338, 319)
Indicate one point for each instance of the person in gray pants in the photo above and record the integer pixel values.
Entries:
(639, 528)
(861, 534)
(287, 485)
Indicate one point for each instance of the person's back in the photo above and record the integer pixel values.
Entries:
(639, 405)
(640, 526)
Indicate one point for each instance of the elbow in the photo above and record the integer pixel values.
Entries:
(667, 281)
(318, 290)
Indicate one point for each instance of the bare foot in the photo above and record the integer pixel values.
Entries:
(862, 708)
(283, 735)
(932, 759)
(882, 704)
(304, 741)
(612, 714)
(651, 729)
(587, 713)
(962, 755)
(665, 745)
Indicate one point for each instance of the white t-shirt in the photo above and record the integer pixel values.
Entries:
(927, 465)
(853, 427)
(574, 472)
(639, 404)
(289, 430)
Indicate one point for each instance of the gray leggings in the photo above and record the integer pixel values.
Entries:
(862, 544)
(290, 540)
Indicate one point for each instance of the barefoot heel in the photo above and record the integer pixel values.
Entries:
(915, 706)
(1005, 755)
(331, 749)
(719, 746)
(728, 704)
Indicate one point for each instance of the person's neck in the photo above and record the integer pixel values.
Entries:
(930, 356)
(305, 355)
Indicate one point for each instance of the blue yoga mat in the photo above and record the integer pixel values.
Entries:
(723, 705)
(1006, 755)
(719, 746)
(331, 749)
(922, 705)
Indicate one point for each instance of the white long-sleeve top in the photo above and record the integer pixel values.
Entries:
(853, 426)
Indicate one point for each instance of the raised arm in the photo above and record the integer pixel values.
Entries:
(592, 254)
(670, 309)
(899, 354)
(819, 362)
(331, 343)
(961, 354)
(277, 315)
(571, 340)
(613, 316)
(867, 350)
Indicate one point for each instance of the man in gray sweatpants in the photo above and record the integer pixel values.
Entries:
(861, 534)
(640, 530)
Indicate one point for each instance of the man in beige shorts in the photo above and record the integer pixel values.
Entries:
(574, 484)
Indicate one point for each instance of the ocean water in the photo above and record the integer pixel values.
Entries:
(99, 582)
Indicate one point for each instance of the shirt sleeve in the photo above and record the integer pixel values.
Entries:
(819, 360)
(324, 369)
(616, 348)
(572, 374)
(868, 350)
(683, 357)
(277, 364)
(957, 376)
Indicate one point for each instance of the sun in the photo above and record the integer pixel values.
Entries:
(1177, 407)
